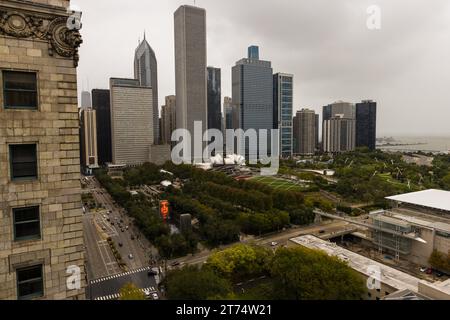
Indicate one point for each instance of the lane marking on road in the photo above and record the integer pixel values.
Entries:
(120, 275)
(117, 296)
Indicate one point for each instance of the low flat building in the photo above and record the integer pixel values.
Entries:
(391, 281)
(423, 215)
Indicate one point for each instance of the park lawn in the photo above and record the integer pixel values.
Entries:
(278, 184)
(390, 179)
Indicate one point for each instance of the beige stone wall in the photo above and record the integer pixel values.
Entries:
(421, 252)
(54, 127)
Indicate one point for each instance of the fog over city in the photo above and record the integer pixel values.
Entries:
(404, 66)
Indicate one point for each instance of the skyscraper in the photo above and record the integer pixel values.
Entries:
(253, 52)
(86, 102)
(366, 124)
(101, 104)
(146, 71)
(339, 127)
(214, 99)
(228, 112)
(168, 119)
(283, 85)
(131, 121)
(190, 68)
(339, 134)
(346, 109)
(252, 82)
(305, 132)
(317, 132)
(88, 140)
(41, 230)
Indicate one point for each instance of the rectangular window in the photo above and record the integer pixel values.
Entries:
(20, 90)
(27, 224)
(30, 283)
(23, 160)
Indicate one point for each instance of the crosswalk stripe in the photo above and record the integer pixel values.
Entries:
(120, 275)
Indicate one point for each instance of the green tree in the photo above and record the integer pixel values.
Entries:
(240, 262)
(191, 283)
(440, 261)
(302, 216)
(130, 292)
(446, 182)
(303, 274)
(220, 232)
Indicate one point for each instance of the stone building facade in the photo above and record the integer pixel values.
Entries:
(41, 237)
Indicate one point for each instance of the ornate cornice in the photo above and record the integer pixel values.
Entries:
(50, 28)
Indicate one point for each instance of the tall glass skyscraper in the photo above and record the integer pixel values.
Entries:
(283, 85)
(228, 111)
(366, 124)
(253, 52)
(253, 95)
(146, 71)
(214, 99)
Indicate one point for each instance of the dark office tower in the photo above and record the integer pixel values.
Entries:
(252, 87)
(366, 124)
(214, 99)
(101, 104)
(228, 112)
(146, 71)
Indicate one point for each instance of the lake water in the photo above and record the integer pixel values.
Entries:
(427, 144)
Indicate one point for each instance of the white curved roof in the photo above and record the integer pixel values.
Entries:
(436, 199)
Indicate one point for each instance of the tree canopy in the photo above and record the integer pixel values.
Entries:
(303, 274)
(191, 283)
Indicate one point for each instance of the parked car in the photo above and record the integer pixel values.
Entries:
(120, 244)
(175, 264)
(439, 274)
(423, 269)
(130, 256)
(152, 273)
(122, 230)
(274, 244)
(429, 271)
(132, 238)
(155, 296)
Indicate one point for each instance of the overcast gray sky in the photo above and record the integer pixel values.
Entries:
(404, 66)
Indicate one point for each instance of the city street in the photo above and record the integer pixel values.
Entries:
(108, 288)
(281, 239)
(112, 222)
